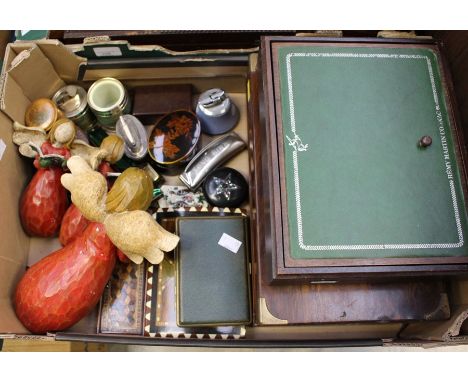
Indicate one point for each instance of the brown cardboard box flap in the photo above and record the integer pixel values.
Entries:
(35, 70)
(13, 102)
(14, 245)
(446, 331)
(453, 330)
(30, 76)
(419, 344)
(4, 37)
(105, 41)
(29, 337)
(62, 58)
(64, 61)
(8, 322)
(34, 73)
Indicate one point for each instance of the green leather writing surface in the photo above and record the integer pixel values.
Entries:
(357, 183)
(212, 281)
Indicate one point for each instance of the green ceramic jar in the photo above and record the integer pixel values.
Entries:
(108, 100)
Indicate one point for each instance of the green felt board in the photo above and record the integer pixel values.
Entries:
(359, 186)
(213, 287)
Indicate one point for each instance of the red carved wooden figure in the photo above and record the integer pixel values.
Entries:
(65, 286)
(44, 201)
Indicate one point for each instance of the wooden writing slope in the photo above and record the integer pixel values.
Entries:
(353, 192)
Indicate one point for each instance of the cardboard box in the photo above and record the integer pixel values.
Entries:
(4, 39)
(38, 69)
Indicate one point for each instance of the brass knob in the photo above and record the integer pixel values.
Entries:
(425, 141)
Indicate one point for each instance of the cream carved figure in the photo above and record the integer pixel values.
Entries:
(135, 232)
(111, 150)
(30, 139)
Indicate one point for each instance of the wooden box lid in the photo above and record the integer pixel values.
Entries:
(355, 193)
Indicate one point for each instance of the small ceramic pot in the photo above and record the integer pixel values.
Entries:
(108, 100)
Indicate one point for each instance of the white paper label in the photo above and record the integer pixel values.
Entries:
(229, 243)
(2, 148)
(25, 32)
(107, 51)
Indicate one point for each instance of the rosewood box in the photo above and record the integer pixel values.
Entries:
(362, 159)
